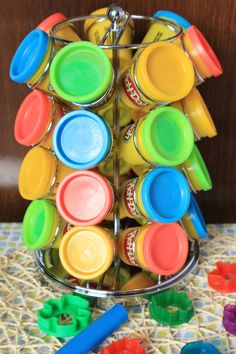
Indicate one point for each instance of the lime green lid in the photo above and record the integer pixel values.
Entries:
(199, 168)
(39, 224)
(167, 136)
(81, 72)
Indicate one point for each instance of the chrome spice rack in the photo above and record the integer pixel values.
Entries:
(47, 260)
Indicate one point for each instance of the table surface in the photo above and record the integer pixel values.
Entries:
(22, 293)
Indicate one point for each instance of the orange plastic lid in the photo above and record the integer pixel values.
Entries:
(32, 118)
(50, 21)
(84, 198)
(86, 252)
(204, 51)
(165, 248)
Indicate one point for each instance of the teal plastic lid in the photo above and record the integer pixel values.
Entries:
(81, 72)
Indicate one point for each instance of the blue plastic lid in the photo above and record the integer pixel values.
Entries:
(197, 218)
(172, 16)
(29, 56)
(165, 194)
(82, 139)
(199, 347)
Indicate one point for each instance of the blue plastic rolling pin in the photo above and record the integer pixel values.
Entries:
(96, 332)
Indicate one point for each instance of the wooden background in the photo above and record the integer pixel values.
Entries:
(215, 18)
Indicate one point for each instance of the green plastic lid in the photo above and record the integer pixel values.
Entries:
(38, 224)
(167, 136)
(81, 72)
(198, 165)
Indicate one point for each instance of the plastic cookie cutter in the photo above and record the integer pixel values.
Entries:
(199, 347)
(124, 346)
(229, 319)
(65, 317)
(171, 308)
(223, 277)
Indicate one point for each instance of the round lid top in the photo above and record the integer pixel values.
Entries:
(165, 248)
(33, 118)
(165, 194)
(81, 72)
(86, 252)
(196, 218)
(82, 139)
(164, 72)
(199, 347)
(205, 51)
(36, 173)
(170, 15)
(51, 20)
(195, 107)
(29, 56)
(84, 198)
(196, 165)
(39, 223)
(167, 136)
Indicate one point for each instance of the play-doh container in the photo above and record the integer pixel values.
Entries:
(36, 119)
(106, 168)
(162, 194)
(138, 281)
(161, 73)
(106, 112)
(95, 29)
(40, 174)
(66, 32)
(164, 137)
(82, 73)
(87, 252)
(85, 198)
(82, 140)
(42, 225)
(159, 248)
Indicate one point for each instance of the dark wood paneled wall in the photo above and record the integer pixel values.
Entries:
(216, 19)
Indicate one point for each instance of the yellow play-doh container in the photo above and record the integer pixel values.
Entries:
(95, 29)
(40, 174)
(139, 281)
(196, 110)
(162, 137)
(161, 73)
(139, 170)
(159, 248)
(66, 32)
(31, 61)
(106, 112)
(106, 167)
(87, 252)
(42, 226)
(36, 119)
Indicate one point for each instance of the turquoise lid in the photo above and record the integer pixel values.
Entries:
(172, 16)
(29, 56)
(197, 218)
(165, 194)
(82, 139)
(199, 347)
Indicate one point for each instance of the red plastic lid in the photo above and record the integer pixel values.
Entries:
(205, 51)
(50, 21)
(32, 118)
(165, 248)
(84, 198)
(124, 346)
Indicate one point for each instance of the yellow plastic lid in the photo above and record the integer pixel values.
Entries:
(86, 252)
(36, 173)
(198, 113)
(164, 72)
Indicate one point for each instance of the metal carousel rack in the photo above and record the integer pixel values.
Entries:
(119, 20)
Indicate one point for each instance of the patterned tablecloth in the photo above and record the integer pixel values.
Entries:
(22, 293)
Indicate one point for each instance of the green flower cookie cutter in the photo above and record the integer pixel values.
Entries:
(65, 317)
(171, 308)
